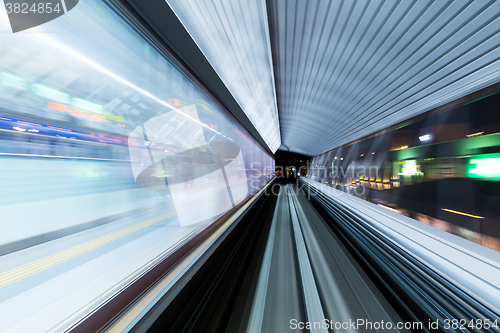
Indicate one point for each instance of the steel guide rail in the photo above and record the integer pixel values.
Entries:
(422, 292)
(144, 310)
(312, 302)
(258, 305)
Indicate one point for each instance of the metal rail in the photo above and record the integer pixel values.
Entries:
(432, 275)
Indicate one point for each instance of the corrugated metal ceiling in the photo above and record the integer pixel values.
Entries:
(345, 69)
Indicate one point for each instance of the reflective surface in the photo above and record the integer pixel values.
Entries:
(110, 158)
(442, 170)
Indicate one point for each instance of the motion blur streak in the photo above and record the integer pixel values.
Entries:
(79, 222)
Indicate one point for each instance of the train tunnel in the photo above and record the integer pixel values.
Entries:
(250, 166)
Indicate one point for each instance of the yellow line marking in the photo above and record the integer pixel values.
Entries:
(39, 265)
(135, 310)
(460, 213)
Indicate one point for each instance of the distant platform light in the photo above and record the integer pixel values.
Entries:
(474, 134)
(483, 166)
(425, 137)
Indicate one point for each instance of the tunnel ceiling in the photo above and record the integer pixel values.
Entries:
(234, 37)
(346, 69)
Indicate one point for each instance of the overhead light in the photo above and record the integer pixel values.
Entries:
(373, 153)
(425, 137)
(341, 158)
(474, 134)
(404, 147)
(13, 81)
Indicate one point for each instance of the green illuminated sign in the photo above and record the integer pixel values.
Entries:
(483, 166)
(410, 168)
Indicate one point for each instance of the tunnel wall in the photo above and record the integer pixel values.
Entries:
(87, 106)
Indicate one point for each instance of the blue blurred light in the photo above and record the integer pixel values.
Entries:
(425, 137)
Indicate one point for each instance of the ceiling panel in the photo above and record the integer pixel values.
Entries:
(234, 37)
(346, 69)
